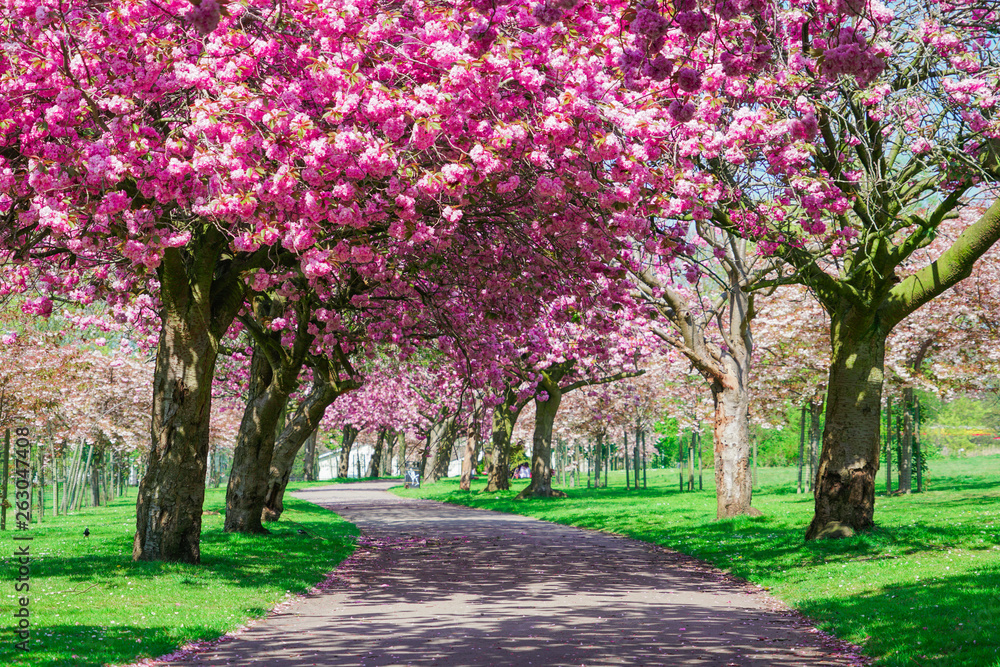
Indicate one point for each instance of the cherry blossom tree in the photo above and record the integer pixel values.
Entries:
(597, 348)
(822, 131)
(714, 335)
(220, 147)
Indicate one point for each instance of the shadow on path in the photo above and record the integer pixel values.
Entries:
(435, 584)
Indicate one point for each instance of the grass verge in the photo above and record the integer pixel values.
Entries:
(90, 604)
(921, 589)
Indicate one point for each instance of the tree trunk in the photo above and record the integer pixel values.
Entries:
(41, 483)
(350, 435)
(888, 446)
(374, 465)
(471, 453)
(214, 467)
(726, 368)
(309, 457)
(692, 446)
(441, 446)
(274, 371)
(95, 480)
(845, 481)
(906, 444)
(304, 422)
(172, 492)
(69, 490)
(199, 299)
(802, 446)
(469, 457)
(82, 480)
(626, 462)
(731, 430)
(815, 438)
(639, 459)
(254, 446)
(598, 460)
(540, 485)
(504, 419)
(401, 437)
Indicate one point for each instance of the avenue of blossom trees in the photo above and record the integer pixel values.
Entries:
(424, 220)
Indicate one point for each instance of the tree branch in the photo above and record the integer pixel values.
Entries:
(954, 265)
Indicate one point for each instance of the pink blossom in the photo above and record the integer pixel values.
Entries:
(547, 12)
(38, 306)
(688, 79)
(204, 16)
(921, 145)
(680, 111)
(659, 68)
(650, 24)
(694, 23)
(362, 254)
(451, 214)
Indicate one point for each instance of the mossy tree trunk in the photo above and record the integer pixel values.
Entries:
(504, 418)
(274, 370)
(844, 489)
(324, 391)
(200, 295)
(864, 308)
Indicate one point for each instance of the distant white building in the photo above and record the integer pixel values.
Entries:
(357, 463)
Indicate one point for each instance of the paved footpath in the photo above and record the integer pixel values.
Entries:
(436, 584)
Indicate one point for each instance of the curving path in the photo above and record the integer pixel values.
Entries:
(436, 584)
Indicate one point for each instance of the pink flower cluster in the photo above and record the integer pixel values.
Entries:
(205, 15)
(852, 57)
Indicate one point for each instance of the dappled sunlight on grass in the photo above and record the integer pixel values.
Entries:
(922, 588)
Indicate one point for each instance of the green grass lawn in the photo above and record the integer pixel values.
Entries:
(921, 589)
(92, 605)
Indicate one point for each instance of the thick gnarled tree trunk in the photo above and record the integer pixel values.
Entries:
(197, 307)
(252, 454)
(863, 312)
(844, 489)
(172, 492)
(540, 485)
